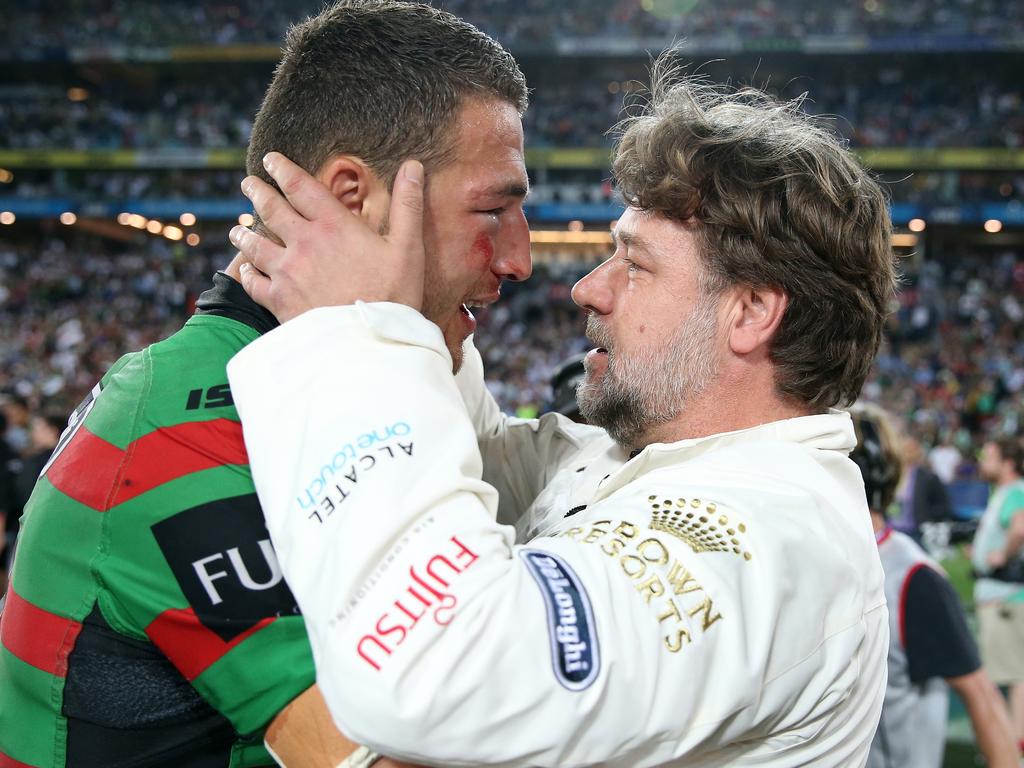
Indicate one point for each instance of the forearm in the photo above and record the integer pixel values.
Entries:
(989, 718)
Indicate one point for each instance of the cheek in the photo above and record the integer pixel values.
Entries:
(483, 248)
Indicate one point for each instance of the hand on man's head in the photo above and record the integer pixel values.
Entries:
(330, 256)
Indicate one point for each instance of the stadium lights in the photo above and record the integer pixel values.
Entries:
(137, 220)
(7, 217)
(173, 233)
(903, 241)
(993, 225)
(187, 219)
(246, 219)
(916, 225)
(6, 177)
(554, 236)
(123, 218)
(68, 218)
(154, 227)
(192, 239)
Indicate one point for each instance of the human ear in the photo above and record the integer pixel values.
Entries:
(356, 186)
(755, 317)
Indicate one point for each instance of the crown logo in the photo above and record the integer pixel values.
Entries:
(699, 524)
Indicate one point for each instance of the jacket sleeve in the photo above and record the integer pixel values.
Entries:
(436, 640)
(519, 455)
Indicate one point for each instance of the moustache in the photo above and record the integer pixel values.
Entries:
(598, 334)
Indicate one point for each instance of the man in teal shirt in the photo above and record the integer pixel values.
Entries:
(999, 561)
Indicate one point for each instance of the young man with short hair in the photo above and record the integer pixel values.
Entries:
(148, 623)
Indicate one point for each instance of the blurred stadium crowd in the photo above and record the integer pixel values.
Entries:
(952, 365)
(109, 104)
(97, 22)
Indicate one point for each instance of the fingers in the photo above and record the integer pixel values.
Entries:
(308, 197)
(406, 212)
(265, 254)
(257, 285)
(275, 211)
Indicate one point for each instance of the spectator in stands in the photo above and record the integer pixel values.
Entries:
(997, 557)
(945, 458)
(922, 496)
(929, 642)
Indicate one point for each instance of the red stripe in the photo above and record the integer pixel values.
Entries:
(172, 452)
(36, 636)
(903, 602)
(190, 646)
(100, 475)
(6, 761)
(86, 469)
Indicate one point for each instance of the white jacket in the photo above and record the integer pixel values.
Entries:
(711, 602)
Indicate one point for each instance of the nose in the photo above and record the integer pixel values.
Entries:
(593, 291)
(512, 259)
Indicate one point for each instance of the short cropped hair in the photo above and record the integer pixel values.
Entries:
(775, 200)
(382, 80)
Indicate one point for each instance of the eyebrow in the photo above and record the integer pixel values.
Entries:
(517, 189)
(630, 239)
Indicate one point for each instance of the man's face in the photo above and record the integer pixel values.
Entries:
(474, 229)
(991, 462)
(657, 332)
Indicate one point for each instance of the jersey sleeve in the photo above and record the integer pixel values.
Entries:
(935, 634)
(519, 455)
(186, 559)
(439, 641)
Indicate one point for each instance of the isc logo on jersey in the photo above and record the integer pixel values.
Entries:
(221, 556)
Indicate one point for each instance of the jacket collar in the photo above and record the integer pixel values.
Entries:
(832, 431)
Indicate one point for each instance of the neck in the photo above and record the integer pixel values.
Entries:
(232, 270)
(877, 521)
(1006, 478)
(731, 404)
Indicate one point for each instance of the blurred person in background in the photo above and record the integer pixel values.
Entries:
(945, 458)
(921, 494)
(930, 645)
(999, 564)
(148, 623)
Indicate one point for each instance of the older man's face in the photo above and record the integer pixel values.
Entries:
(657, 333)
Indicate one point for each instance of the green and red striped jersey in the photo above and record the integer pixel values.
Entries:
(147, 622)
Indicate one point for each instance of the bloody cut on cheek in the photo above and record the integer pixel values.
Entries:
(483, 246)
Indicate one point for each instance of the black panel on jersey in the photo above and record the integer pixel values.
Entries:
(128, 707)
(228, 299)
(937, 640)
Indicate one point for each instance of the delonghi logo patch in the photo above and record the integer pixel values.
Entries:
(570, 620)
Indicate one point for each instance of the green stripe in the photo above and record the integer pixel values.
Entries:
(31, 731)
(194, 358)
(136, 574)
(114, 415)
(58, 539)
(251, 694)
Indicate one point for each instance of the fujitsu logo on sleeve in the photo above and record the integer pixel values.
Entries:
(571, 625)
(424, 595)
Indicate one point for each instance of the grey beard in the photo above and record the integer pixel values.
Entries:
(648, 388)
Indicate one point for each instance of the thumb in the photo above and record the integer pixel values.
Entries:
(406, 212)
